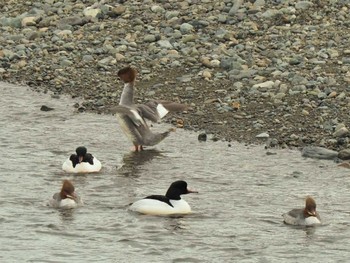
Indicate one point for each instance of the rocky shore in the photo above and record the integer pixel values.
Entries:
(273, 72)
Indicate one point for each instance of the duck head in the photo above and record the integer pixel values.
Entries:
(178, 188)
(127, 74)
(68, 190)
(81, 152)
(310, 207)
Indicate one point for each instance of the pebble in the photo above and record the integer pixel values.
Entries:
(267, 84)
(186, 28)
(343, 131)
(92, 12)
(344, 154)
(202, 137)
(263, 135)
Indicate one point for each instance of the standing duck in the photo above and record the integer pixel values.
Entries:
(132, 117)
(168, 204)
(304, 216)
(81, 162)
(66, 198)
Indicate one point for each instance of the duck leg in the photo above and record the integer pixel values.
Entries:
(137, 148)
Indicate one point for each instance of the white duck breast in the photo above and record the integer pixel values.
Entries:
(67, 203)
(312, 220)
(156, 207)
(57, 202)
(83, 167)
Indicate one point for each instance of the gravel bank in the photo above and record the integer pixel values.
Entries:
(274, 72)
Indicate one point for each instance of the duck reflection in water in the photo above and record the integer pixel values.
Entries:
(66, 215)
(133, 161)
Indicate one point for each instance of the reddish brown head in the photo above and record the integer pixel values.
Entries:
(67, 190)
(127, 74)
(310, 207)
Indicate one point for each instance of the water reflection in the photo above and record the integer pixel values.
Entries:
(66, 215)
(310, 231)
(133, 161)
(174, 223)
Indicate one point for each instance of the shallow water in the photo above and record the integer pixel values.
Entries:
(237, 213)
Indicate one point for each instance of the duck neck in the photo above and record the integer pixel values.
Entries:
(306, 213)
(127, 97)
(173, 195)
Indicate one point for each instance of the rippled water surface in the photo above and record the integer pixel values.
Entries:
(237, 213)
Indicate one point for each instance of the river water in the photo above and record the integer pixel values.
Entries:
(236, 214)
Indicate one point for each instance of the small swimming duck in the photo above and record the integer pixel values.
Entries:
(168, 204)
(81, 162)
(304, 216)
(132, 117)
(66, 198)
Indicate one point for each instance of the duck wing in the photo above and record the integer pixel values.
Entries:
(155, 110)
(161, 198)
(132, 113)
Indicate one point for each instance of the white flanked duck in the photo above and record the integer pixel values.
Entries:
(306, 216)
(168, 204)
(82, 162)
(66, 198)
(132, 117)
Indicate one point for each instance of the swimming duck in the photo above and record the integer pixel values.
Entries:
(66, 198)
(170, 203)
(304, 216)
(82, 162)
(132, 117)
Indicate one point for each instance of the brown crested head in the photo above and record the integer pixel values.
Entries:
(127, 74)
(310, 207)
(67, 190)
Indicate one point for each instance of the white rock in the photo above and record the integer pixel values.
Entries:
(206, 74)
(267, 84)
(157, 9)
(341, 132)
(263, 135)
(165, 44)
(186, 28)
(28, 21)
(215, 63)
(92, 12)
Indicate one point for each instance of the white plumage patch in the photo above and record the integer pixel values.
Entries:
(64, 203)
(312, 220)
(83, 167)
(162, 111)
(156, 207)
(67, 203)
(138, 117)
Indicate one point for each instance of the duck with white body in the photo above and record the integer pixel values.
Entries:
(82, 162)
(168, 204)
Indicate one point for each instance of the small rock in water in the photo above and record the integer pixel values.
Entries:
(202, 137)
(319, 153)
(271, 153)
(344, 154)
(46, 108)
(345, 165)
